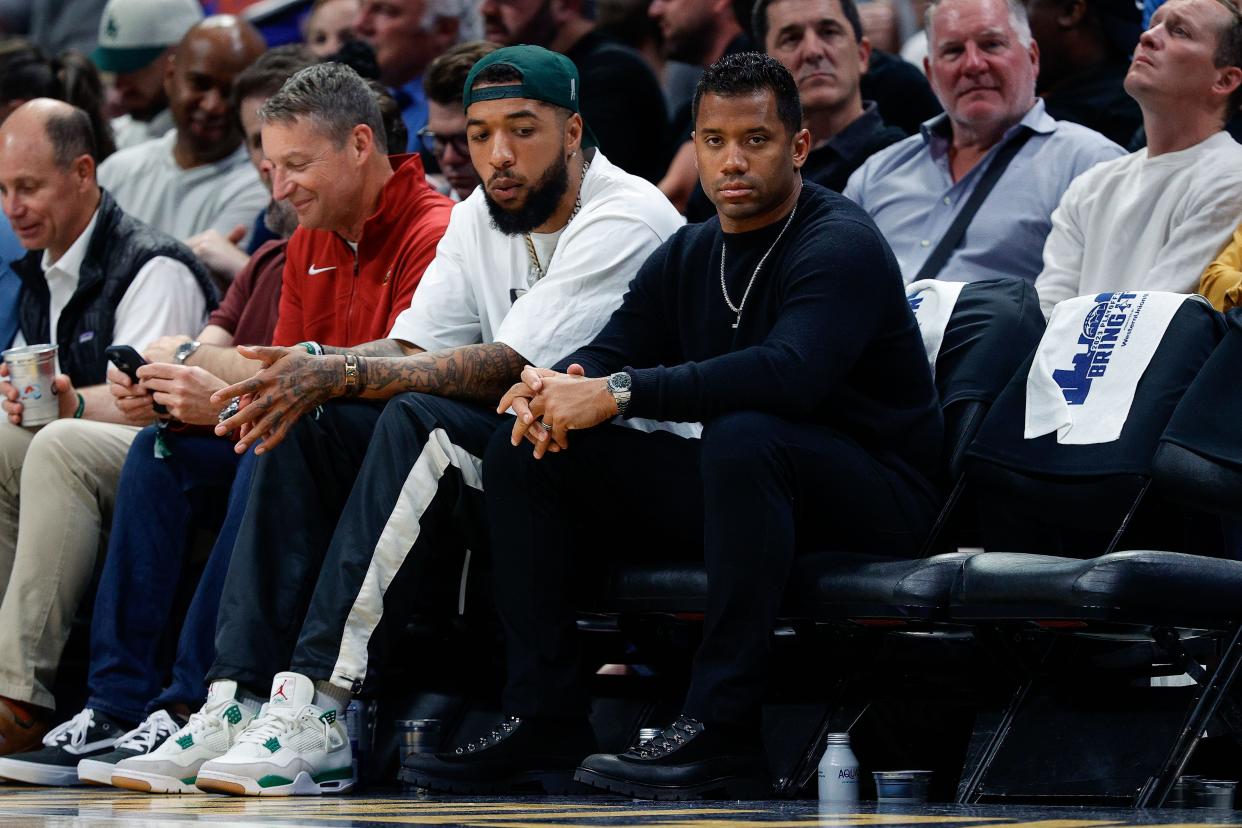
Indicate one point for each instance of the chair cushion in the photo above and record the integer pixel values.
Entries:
(1137, 587)
(823, 586)
(835, 586)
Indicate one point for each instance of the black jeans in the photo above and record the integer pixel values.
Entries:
(754, 491)
(359, 517)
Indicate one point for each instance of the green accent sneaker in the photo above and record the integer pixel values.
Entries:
(173, 766)
(292, 748)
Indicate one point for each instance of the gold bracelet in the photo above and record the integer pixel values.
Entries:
(352, 386)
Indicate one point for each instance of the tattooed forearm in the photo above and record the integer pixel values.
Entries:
(478, 373)
(378, 348)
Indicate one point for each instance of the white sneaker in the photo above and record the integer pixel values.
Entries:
(143, 739)
(292, 748)
(173, 766)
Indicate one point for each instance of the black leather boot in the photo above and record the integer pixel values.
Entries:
(520, 755)
(689, 760)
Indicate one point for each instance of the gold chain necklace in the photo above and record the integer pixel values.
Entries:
(530, 244)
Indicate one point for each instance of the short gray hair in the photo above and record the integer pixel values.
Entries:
(1018, 20)
(334, 97)
(71, 135)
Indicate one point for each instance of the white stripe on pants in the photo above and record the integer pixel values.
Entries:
(399, 535)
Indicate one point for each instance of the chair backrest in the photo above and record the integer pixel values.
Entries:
(1042, 496)
(1199, 459)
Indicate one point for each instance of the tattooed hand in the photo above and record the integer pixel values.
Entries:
(291, 383)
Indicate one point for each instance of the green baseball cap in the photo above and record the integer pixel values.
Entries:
(546, 76)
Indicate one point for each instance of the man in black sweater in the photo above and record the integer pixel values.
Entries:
(783, 327)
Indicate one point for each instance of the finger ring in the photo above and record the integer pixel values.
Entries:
(546, 425)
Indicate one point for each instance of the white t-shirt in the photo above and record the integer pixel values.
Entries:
(1140, 223)
(164, 299)
(128, 132)
(481, 287)
(148, 185)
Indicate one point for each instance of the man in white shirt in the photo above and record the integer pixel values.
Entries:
(533, 264)
(95, 276)
(1154, 219)
(198, 176)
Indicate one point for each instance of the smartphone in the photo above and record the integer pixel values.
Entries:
(128, 361)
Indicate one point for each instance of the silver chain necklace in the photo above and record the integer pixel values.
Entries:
(530, 243)
(753, 276)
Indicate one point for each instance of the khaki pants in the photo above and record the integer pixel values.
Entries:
(57, 489)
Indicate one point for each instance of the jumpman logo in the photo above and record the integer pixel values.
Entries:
(280, 691)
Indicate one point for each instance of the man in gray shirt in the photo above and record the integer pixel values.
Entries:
(982, 63)
(198, 176)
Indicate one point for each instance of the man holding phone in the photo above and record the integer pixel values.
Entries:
(94, 276)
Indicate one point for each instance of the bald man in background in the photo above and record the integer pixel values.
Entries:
(198, 176)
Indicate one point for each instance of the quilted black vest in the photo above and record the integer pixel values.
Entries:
(118, 248)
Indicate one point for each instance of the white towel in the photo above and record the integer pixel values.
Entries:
(1089, 363)
(932, 302)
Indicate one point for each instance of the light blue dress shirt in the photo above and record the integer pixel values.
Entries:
(909, 191)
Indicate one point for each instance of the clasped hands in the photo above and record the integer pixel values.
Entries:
(549, 405)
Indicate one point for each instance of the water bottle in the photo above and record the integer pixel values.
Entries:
(838, 771)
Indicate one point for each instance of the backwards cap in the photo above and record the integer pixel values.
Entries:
(546, 76)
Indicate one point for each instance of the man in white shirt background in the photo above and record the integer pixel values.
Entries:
(1154, 219)
(95, 276)
(197, 177)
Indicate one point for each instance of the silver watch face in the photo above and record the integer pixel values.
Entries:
(619, 381)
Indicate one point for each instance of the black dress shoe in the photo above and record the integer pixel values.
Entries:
(689, 760)
(521, 755)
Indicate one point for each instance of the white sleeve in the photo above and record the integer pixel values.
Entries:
(164, 299)
(1201, 229)
(243, 200)
(595, 261)
(1063, 251)
(443, 312)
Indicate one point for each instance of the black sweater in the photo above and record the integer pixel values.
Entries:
(826, 335)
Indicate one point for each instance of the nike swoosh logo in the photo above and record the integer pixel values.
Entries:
(317, 270)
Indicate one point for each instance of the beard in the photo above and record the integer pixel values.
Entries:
(280, 218)
(541, 202)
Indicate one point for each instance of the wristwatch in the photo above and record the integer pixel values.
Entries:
(184, 350)
(619, 387)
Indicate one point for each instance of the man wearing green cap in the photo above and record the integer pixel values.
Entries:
(532, 265)
(136, 43)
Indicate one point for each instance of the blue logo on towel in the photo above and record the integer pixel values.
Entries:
(915, 302)
(1102, 331)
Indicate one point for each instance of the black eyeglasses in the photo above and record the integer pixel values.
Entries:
(435, 143)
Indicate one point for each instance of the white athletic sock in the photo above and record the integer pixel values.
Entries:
(330, 697)
(250, 699)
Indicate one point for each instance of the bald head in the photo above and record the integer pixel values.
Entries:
(228, 34)
(206, 62)
(44, 125)
(47, 174)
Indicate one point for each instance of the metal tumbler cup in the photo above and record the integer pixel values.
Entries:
(31, 371)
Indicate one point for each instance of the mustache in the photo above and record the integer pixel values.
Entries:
(505, 178)
(736, 184)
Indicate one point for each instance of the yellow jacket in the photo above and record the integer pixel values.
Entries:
(1221, 283)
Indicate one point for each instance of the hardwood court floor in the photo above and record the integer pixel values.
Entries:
(25, 806)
